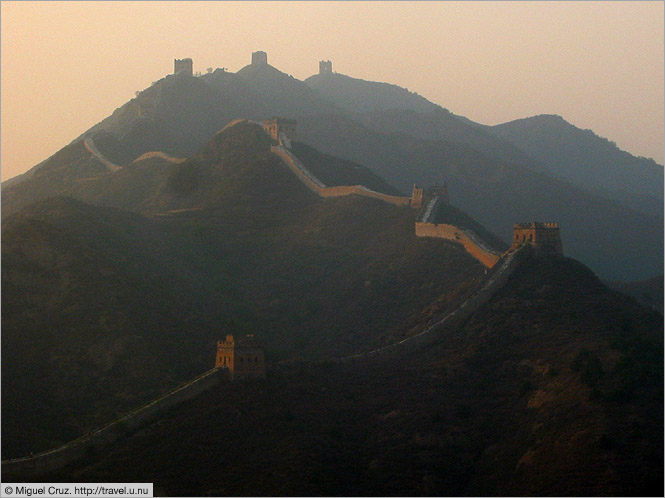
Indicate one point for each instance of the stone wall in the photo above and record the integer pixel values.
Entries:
(90, 146)
(315, 185)
(450, 232)
(259, 57)
(159, 154)
(184, 66)
(325, 67)
(437, 331)
(542, 236)
(56, 458)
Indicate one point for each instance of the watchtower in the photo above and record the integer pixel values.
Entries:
(243, 357)
(259, 57)
(417, 196)
(325, 67)
(542, 236)
(183, 66)
(274, 126)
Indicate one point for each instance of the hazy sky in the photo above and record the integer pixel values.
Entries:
(68, 65)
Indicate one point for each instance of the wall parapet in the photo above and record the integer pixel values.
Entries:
(160, 155)
(436, 331)
(319, 188)
(90, 146)
(56, 458)
(471, 242)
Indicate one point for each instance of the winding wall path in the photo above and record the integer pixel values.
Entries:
(92, 148)
(424, 228)
(318, 187)
(56, 458)
(50, 460)
(437, 331)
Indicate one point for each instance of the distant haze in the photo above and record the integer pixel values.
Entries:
(68, 65)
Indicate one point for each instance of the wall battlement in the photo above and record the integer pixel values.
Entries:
(469, 240)
(259, 57)
(316, 186)
(274, 126)
(542, 236)
(243, 357)
(325, 67)
(184, 66)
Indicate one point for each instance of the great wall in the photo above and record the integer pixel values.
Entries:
(435, 332)
(424, 227)
(56, 458)
(543, 235)
(90, 146)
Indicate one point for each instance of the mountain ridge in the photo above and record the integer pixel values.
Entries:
(179, 113)
(570, 152)
(234, 239)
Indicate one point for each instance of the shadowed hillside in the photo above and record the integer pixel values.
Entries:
(587, 160)
(553, 388)
(103, 309)
(498, 193)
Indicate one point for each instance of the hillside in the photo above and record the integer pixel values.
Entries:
(60, 174)
(497, 193)
(648, 292)
(587, 160)
(404, 139)
(104, 308)
(554, 388)
(357, 95)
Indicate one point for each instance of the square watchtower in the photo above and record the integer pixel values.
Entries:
(184, 66)
(244, 357)
(259, 57)
(325, 67)
(542, 236)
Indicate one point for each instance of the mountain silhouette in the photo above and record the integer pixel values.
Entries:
(588, 161)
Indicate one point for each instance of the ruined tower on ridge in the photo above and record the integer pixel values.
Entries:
(184, 66)
(421, 196)
(259, 57)
(417, 196)
(276, 126)
(243, 357)
(542, 236)
(325, 67)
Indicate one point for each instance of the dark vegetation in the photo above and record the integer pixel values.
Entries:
(60, 174)
(356, 95)
(103, 309)
(647, 292)
(523, 400)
